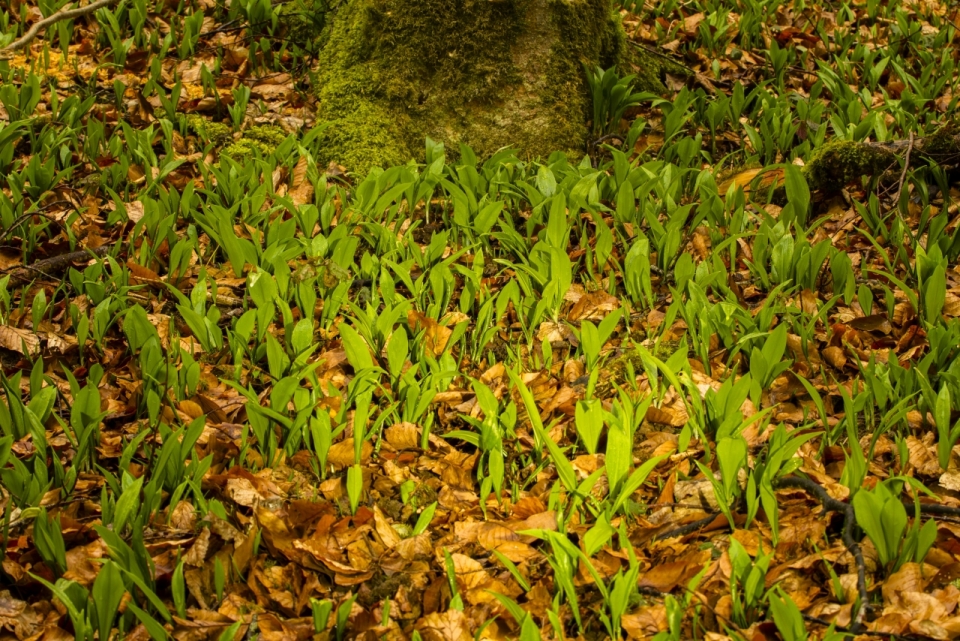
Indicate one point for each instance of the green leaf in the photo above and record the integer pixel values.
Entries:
(868, 509)
(354, 486)
(397, 351)
(636, 479)
(514, 571)
(108, 591)
(423, 521)
(934, 294)
(798, 193)
(358, 352)
(564, 468)
(127, 505)
(589, 422)
(619, 454)
(154, 627)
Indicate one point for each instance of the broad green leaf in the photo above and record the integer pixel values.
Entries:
(358, 352)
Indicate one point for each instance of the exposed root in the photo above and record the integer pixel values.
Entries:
(831, 504)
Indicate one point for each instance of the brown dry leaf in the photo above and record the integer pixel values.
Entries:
(556, 333)
(664, 577)
(835, 356)
(449, 626)
(593, 307)
(197, 554)
(436, 335)
(19, 340)
(242, 492)
(302, 190)
(951, 305)
(403, 436)
(82, 565)
(645, 622)
(921, 458)
(143, 274)
(342, 453)
(388, 536)
(134, 211)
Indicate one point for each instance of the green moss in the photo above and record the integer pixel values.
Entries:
(941, 145)
(268, 135)
(837, 163)
(215, 133)
(261, 139)
(479, 72)
(302, 24)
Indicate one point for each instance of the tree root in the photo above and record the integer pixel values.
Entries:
(831, 504)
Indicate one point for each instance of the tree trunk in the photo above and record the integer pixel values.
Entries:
(482, 73)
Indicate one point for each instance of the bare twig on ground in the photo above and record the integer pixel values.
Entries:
(688, 528)
(831, 504)
(903, 174)
(63, 14)
(839, 628)
(54, 264)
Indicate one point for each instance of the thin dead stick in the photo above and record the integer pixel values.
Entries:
(63, 14)
(903, 174)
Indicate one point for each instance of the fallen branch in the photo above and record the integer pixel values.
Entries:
(689, 527)
(837, 163)
(63, 14)
(831, 504)
(55, 264)
(934, 509)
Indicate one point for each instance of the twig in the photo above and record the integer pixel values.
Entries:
(903, 174)
(934, 509)
(54, 264)
(839, 628)
(688, 528)
(63, 14)
(831, 504)
(661, 55)
(606, 138)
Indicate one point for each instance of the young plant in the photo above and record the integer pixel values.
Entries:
(947, 436)
(747, 587)
(883, 517)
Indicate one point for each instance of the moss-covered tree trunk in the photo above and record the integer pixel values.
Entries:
(485, 73)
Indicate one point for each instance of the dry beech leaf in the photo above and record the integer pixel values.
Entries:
(19, 340)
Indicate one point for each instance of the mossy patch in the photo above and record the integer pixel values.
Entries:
(302, 24)
(215, 133)
(484, 73)
(942, 145)
(261, 140)
(837, 163)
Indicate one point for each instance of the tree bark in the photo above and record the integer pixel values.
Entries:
(482, 73)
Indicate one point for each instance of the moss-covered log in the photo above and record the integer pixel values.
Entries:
(838, 163)
(486, 73)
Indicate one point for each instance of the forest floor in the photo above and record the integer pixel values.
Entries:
(684, 387)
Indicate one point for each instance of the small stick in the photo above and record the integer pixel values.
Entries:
(903, 174)
(63, 14)
(688, 528)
